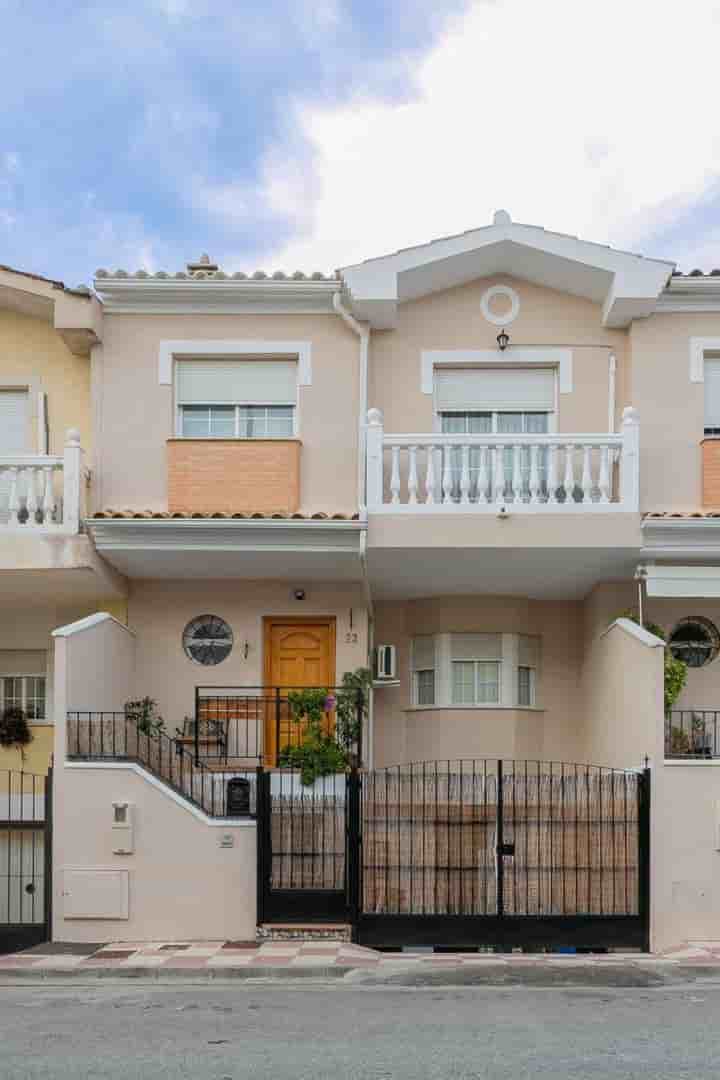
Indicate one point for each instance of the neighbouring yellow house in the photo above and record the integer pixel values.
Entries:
(48, 569)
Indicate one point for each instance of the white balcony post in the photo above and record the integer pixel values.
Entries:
(374, 457)
(630, 460)
(73, 481)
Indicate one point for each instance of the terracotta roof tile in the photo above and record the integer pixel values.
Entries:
(681, 515)
(163, 515)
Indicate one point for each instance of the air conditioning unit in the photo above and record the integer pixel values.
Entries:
(385, 662)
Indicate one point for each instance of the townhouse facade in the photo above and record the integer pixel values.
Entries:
(463, 465)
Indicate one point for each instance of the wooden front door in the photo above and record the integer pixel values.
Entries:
(299, 652)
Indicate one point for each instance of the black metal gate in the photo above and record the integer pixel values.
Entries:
(25, 859)
(505, 853)
(461, 853)
(308, 847)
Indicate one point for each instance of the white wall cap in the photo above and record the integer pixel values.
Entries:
(635, 630)
(87, 624)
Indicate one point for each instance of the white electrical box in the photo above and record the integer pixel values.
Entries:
(123, 829)
(385, 662)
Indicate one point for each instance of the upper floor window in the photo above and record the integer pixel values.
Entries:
(712, 395)
(236, 399)
(475, 663)
(495, 400)
(423, 670)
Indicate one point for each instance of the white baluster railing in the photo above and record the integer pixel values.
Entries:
(44, 492)
(536, 473)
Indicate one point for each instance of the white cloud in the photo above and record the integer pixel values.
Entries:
(590, 119)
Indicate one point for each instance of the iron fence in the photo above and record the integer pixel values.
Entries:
(260, 724)
(25, 858)
(692, 733)
(115, 736)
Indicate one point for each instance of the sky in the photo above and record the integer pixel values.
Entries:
(310, 134)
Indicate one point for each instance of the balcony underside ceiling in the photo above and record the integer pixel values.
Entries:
(279, 551)
(540, 573)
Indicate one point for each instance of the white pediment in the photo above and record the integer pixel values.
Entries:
(627, 286)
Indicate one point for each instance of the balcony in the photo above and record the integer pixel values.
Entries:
(44, 493)
(557, 473)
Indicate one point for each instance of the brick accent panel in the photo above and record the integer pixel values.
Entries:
(233, 475)
(711, 473)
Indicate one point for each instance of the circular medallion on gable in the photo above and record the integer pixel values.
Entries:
(500, 305)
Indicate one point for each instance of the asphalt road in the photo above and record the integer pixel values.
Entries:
(235, 1031)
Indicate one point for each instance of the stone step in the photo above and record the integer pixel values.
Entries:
(314, 931)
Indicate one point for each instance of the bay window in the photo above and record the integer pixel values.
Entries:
(475, 669)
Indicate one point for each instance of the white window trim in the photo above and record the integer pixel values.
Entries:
(494, 413)
(561, 359)
(698, 347)
(475, 660)
(200, 349)
(25, 675)
(294, 405)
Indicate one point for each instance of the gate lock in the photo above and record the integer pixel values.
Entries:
(506, 849)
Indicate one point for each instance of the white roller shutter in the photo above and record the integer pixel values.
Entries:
(234, 382)
(490, 389)
(528, 650)
(476, 646)
(14, 422)
(423, 652)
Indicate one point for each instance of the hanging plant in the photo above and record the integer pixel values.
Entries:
(15, 730)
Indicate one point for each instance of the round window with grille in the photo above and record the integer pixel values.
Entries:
(207, 640)
(695, 640)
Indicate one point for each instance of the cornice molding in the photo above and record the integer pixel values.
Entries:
(153, 296)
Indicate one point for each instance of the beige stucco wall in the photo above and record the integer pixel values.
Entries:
(552, 730)
(453, 320)
(622, 698)
(182, 884)
(31, 348)
(607, 601)
(160, 610)
(135, 413)
(26, 648)
(686, 857)
(671, 408)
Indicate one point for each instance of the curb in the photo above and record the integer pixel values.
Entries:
(173, 974)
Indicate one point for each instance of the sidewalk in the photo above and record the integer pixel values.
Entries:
(339, 960)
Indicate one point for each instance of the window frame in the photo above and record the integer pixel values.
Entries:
(237, 405)
(530, 704)
(24, 697)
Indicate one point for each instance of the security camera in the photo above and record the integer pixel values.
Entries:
(299, 594)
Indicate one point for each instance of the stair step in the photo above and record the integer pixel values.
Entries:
(314, 931)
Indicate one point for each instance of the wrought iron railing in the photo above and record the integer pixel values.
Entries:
(692, 733)
(115, 736)
(257, 724)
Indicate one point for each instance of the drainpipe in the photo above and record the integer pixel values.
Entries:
(363, 332)
(612, 368)
(371, 646)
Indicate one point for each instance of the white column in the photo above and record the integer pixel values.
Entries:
(586, 476)
(374, 452)
(630, 460)
(508, 669)
(395, 476)
(552, 477)
(443, 670)
(430, 476)
(499, 475)
(534, 483)
(412, 474)
(446, 476)
(465, 476)
(604, 480)
(73, 481)
(14, 498)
